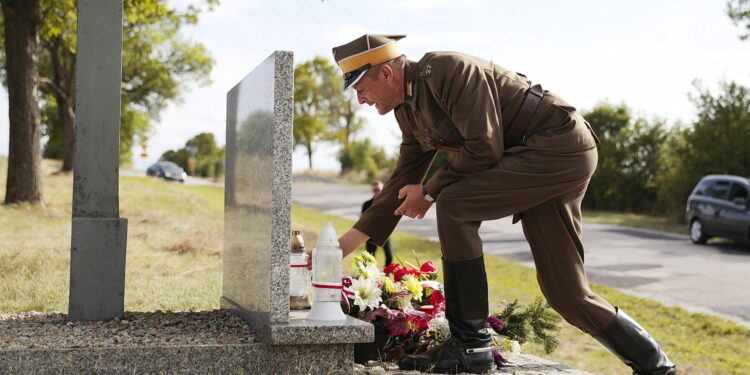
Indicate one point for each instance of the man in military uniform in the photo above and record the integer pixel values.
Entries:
(520, 151)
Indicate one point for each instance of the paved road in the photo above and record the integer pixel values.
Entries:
(711, 278)
(189, 181)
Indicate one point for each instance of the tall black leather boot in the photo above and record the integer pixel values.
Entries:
(635, 347)
(466, 308)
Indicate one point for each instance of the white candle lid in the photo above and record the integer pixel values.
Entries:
(327, 237)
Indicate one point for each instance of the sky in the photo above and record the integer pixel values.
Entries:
(643, 53)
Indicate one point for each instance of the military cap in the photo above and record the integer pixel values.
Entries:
(359, 55)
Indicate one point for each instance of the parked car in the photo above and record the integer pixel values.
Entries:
(167, 170)
(719, 206)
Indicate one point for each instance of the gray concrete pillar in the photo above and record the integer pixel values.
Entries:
(97, 262)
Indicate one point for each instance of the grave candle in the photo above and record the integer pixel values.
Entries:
(327, 270)
(299, 277)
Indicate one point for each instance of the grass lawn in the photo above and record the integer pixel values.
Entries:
(174, 263)
(663, 224)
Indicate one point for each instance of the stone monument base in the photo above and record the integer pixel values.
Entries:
(161, 342)
(254, 358)
(301, 331)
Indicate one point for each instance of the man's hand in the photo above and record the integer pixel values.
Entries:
(415, 205)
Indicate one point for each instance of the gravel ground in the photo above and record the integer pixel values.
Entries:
(51, 330)
(523, 365)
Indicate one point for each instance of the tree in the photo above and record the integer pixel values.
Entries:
(158, 65)
(365, 157)
(57, 75)
(739, 12)
(322, 111)
(208, 156)
(717, 143)
(21, 20)
(629, 160)
(205, 144)
(345, 122)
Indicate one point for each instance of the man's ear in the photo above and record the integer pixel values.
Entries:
(386, 71)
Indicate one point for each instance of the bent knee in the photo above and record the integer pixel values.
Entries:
(567, 304)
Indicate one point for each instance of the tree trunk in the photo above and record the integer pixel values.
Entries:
(68, 121)
(22, 23)
(63, 75)
(309, 154)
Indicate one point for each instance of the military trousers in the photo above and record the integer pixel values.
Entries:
(545, 187)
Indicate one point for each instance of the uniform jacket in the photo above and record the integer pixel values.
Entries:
(462, 103)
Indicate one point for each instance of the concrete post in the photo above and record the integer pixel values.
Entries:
(97, 262)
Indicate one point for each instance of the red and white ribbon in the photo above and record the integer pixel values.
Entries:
(326, 285)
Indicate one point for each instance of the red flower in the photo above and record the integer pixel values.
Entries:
(419, 319)
(437, 299)
(398, 325)
(401, 272)
(428, 267)
(391, 267)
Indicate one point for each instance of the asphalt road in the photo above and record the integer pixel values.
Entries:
(710, 278)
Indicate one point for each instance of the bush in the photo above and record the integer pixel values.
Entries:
(363, 156)
(629, 160)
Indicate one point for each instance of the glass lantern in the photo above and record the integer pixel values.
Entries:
(299, 276)
(327, 270)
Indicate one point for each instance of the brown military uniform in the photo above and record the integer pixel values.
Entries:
(465, 104)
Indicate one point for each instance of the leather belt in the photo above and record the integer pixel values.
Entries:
(517, 131)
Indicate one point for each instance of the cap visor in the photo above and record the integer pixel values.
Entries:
(353, 79)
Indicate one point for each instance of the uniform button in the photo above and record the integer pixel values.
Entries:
(428, 130)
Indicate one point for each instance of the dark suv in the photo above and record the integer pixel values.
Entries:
(719, 206)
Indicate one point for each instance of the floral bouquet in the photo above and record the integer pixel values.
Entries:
(406, 304)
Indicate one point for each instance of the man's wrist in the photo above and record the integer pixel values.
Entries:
(426, 195)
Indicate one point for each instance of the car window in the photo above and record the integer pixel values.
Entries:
(738, 191)
(719, 189)
(702, 187)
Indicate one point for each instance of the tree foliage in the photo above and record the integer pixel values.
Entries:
(739, 12)
(365, 157)
(321, 111)
(208, 159)
(158, 64)
(629, 160)
(717, 143)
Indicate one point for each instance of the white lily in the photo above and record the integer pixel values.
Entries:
(366, 293)
(371, 271)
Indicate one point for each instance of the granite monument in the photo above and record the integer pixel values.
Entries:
(257, 217)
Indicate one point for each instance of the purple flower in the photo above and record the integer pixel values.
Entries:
(499, 360)
(495, 323)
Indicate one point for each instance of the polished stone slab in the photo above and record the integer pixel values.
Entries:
(257, 212)
(260, 111)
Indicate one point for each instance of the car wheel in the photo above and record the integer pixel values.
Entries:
(696, 232)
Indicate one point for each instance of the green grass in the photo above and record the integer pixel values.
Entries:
(663, 224)
(173, 254)
(174, 263)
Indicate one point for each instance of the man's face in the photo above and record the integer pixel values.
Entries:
(376, 189)
(376, 92)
